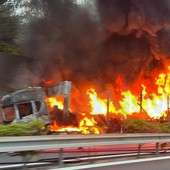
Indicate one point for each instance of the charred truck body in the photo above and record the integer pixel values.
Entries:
(30, 104)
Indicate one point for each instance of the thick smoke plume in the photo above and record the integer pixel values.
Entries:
(117, 37)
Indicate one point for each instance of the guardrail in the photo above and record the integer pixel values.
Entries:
(29, 143)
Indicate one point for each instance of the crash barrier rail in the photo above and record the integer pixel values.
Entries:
(28, 143)
(35, 143)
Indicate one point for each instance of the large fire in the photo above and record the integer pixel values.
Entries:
(149, 98)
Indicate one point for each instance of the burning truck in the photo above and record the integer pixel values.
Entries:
(89, 110)
(39, 103)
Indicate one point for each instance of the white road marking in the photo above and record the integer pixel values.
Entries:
(113, 163)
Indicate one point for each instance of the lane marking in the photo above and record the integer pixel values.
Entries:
(112, 163)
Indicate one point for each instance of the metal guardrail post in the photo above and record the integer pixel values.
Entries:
(61, 164)
(139, 149)
(157, 149)
(25, 160)
(90, 154)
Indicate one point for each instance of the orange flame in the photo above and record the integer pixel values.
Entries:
(88, 125)
(154, 104)
(56, 128)
(98, 105)
(53, 101)
(150, 97)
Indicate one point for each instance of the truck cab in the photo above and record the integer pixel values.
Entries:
(24, 106)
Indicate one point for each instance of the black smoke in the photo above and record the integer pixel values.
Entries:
(124, 37)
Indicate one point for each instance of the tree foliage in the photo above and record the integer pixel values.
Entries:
(9, 27)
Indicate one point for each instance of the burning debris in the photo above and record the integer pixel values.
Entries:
(148, 100)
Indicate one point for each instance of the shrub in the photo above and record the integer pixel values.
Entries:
(165, 127)
(140, 126)
(21, 129)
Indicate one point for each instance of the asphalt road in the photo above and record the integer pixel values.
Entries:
(146, 165)
(155, 163)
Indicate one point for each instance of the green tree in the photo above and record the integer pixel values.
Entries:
(9, 27)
